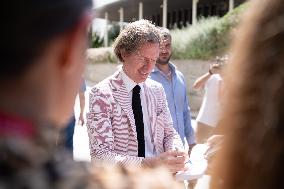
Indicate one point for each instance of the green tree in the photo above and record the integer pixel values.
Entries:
(113, 32)
(97, 41)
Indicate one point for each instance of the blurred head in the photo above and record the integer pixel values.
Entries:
(28, 33)
(109, 177)
(137, 47)
(253, 114)
(165, 47)
(44, 41)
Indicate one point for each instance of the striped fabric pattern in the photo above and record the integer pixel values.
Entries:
(111, 123)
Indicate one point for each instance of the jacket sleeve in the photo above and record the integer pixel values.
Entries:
(101, 136)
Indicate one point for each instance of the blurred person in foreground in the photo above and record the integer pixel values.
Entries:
(133, 177)
(166, 73)
(43, 47)
(40, 76)
(129, 122)
(253, 116)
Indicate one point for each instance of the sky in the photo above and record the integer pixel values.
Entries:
(99, 24)
(99, 3)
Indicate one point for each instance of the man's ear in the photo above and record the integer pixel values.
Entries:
(123, 54)
(74, 45)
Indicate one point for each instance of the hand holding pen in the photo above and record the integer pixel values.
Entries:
(188, 161)
(174, 160)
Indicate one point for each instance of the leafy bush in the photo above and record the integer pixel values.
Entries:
(113, 32)
(96, 41)
(207, 38)
(101, 55)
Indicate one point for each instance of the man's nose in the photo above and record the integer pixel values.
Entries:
(162, 49)
(148, 66)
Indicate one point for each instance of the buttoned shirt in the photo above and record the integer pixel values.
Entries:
(177, 99)
(130, 84)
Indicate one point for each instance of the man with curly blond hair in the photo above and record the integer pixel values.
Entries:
(129, 122)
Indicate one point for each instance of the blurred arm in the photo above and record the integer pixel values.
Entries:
(82, 107)
(200, 82)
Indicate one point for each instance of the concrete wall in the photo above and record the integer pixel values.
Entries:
(191, 69)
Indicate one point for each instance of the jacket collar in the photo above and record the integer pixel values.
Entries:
(122, 96)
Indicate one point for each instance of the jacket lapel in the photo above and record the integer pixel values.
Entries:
(151, 102)
(122, 97)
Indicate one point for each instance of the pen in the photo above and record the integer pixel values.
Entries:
(188, 162)
(188, 159)
(176, 148)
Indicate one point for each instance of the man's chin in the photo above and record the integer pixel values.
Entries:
(162, 62)
(141, 78)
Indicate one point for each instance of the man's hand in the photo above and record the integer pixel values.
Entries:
(81, 119)
(214, 143)
(215, 68)
(173, 160)
(190, 148)
(215, 140)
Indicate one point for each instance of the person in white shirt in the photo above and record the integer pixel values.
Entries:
(209, 112)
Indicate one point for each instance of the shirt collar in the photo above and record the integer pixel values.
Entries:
(172, 66)
(129, 83)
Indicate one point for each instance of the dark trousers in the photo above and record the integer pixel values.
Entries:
(67, 135)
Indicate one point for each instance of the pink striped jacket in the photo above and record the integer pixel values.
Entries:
(111, 124)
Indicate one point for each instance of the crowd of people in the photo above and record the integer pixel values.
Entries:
(139, 121)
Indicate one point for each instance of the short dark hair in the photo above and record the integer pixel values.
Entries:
(165, 33)
(29, 25)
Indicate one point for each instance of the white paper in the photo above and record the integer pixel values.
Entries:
(198, 165)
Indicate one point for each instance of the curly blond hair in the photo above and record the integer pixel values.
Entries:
(134, 35)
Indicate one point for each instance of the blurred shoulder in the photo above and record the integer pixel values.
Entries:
(30, 164)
